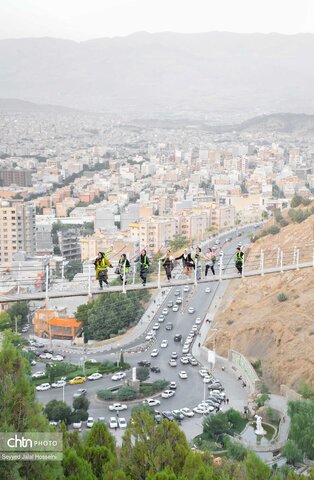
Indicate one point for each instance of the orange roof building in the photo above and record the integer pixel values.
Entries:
(48, 323)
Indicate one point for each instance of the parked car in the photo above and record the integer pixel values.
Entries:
(168, 415)
(117, 407)
(45, 356)
(193, 362)
(43, 387)
(113, 422)
(187, 412)
(77, 425)
(156, 326)
(198, 321)
(167, 394)
(118, 376)
(90, 422)
(79, 392)
(178, 415)
(77, 380)
(154, 352)
(59, 384)
(172, 386)
(122, 422)
(150, 336)
(155, 369)
(95, 376)
(101, 420)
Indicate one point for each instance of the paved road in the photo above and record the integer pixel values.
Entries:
(190, 391)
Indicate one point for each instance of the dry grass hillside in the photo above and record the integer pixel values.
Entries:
(253, 321)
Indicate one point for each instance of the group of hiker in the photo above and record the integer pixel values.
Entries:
(191, 260)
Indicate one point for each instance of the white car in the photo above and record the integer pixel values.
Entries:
(117, 407)
(167, 394)
(188, 340)
(207, 290)
(172, 362)
(45, 356)
(95, 376)
(77, 425)
(186, 288)
(151, 402)
(57, 358)
(118, 376)
(113, 422)
(187, 412)
(165, 311)
(191, 310)
(175, 308)
(183, 374)
(184, 360)
(39, 374)
(150, 336)
(43, 386)
(195, 328)
(122, 422)
(90, 422)
(164, 344)
(156, 326)
(206, 378)
(174, 355)
(173, 385)
(92, 360)
(177, 293)
(203, 372)
(161, 318)
(198, 321)
(202, 410)
(154, 352)
(185, 349)
(179, 301)
(59, 384)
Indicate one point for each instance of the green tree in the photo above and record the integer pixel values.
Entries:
(73, 267)
(142, 373)
(255, 468)
(214, 426)
(57, 410)
(302, 426)
(20, 310)
(292, 453)
(178, 242)
(81, 403)
(307, 392)
(235, 450)
(75, 467)
(5, 320)
(79, 416)
(296, 201)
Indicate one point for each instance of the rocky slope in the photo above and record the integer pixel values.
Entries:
(254, 322)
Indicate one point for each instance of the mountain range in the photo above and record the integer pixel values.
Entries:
(216, 73)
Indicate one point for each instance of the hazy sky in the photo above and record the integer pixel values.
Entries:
(84, 19)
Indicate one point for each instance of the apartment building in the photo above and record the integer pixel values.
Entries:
(223, 216)
(156, 233)
(69, 244)
(22, 178)
(17, 229)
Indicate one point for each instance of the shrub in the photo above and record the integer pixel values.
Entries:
(126, 393)
(142, 373)
(273, 230)
(282, 297)
(78, 416)
(105, 394)
(260, 402)
(159, 385)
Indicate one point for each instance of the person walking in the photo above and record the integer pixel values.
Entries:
(101, 267)
(144, 266)
(239, 259)
(167, 263)
(123, 268)
(210, 261)
(187, 262)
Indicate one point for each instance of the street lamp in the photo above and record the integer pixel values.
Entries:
(64, 379)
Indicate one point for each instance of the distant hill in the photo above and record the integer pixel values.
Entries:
(216, 73)
(15, 105)
(275, 122)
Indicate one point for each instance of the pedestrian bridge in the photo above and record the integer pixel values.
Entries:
(268, 262)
